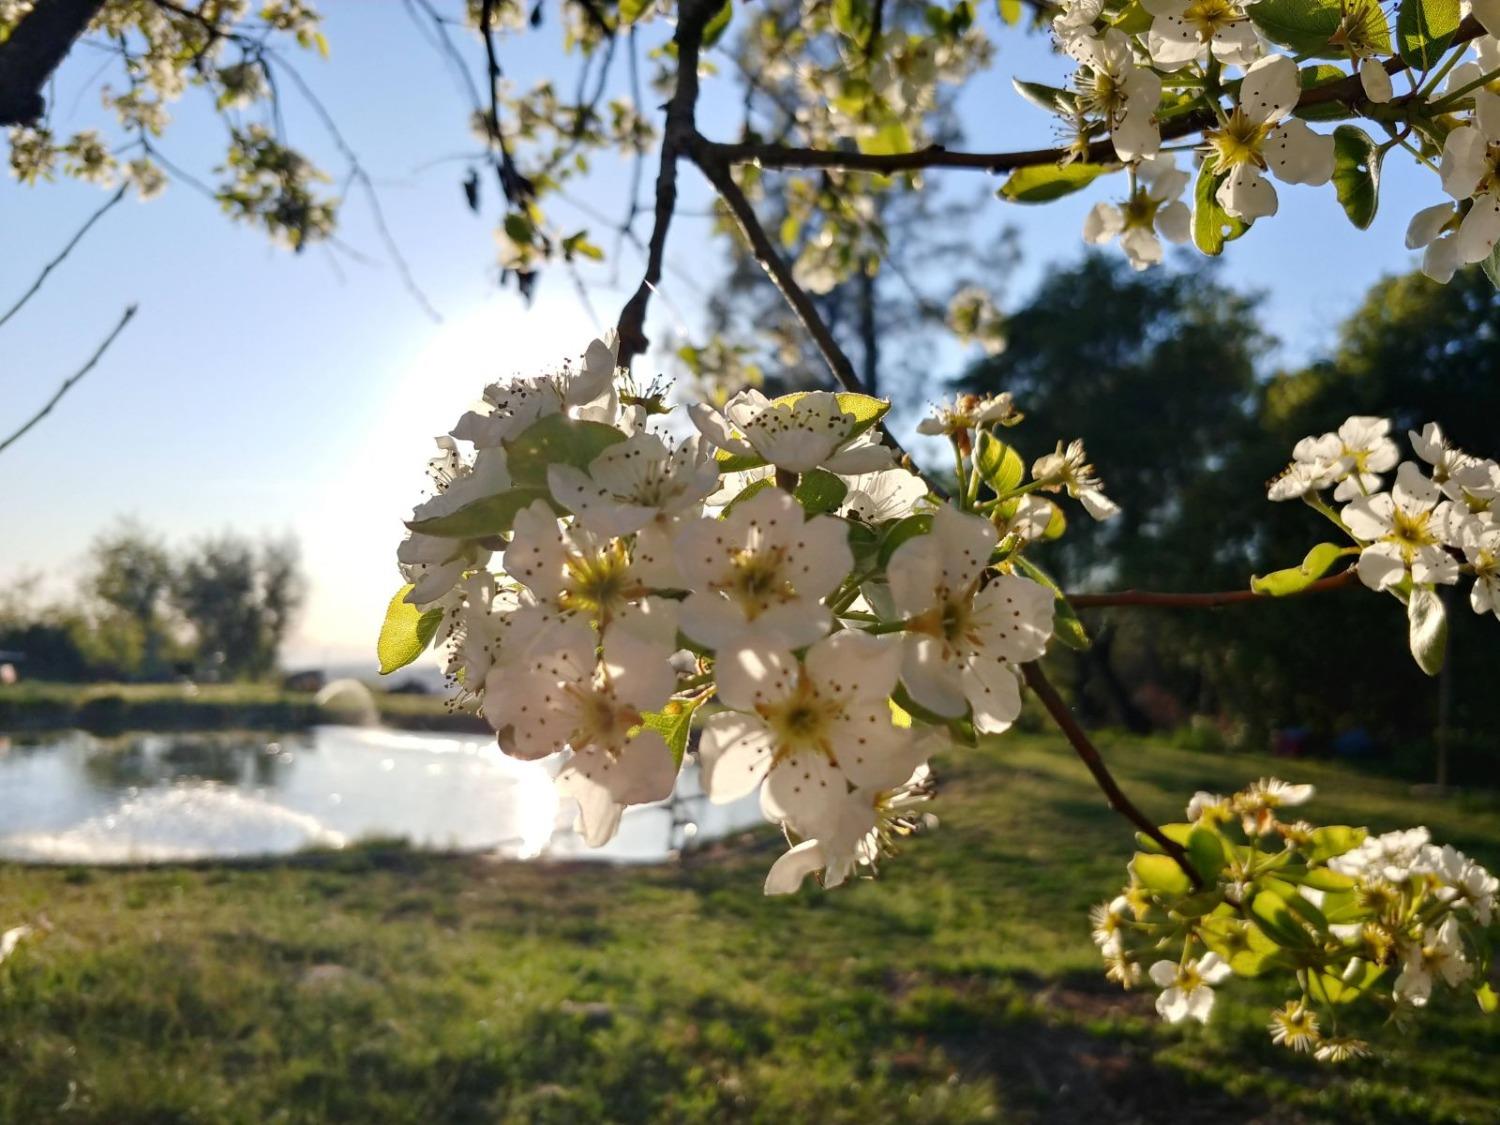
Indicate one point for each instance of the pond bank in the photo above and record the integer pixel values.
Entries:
(112, 708)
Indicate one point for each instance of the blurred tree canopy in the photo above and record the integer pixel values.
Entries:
(1180, 424)
(219, 609)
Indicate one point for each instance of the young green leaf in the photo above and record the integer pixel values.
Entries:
(1000, 466)
(820, 491)
(674, 724)
(1424, 28)
(1160, 874)
(491, 515)
(1042, 183)
(1356, 174)
(405, 633)
(1212, 225)
(1295, 579)
(1064, 103)
(556, 440)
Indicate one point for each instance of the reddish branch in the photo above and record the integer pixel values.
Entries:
(1198, 601)
(1085, 750)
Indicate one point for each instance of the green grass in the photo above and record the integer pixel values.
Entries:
(109, 708)
(961, 986)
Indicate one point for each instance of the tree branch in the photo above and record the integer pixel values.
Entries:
(677, 137)
(38, 44)
(1086, 751)
(1101, 151)
(57, 261)
(1199, 601)
(69, 382)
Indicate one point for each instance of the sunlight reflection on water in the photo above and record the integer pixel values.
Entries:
(74, 798)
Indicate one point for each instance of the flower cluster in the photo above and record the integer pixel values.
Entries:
(605, 584)
(1435, 523)
(1229, 70)
(1357, 919)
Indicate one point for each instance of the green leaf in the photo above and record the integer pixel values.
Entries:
(1212, 225)
(1322, 879)
(1160, 874)
(1000, 466)
(909, 527)
(1492, 266)
(1064, 103)
(1206, 850)
(492, 515)
(1354, 982)
(674, 724)
(1424, 28)
(1133, 19)
(1244, 947)
(556, 440)
(1010, 11)
(405, 633)
(1066, 625)
(745, 493)
(1327, 842)
(714, 30)
(820, 491)
(1042, 183)
(1293, 580)
(1356, 174)
(1428, 622)
(891, 137)
(1307, 26)
(1313, 77)
(1488, 1001)
(632, 10)
(1275, 918)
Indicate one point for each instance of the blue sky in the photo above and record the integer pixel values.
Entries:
(269, 392)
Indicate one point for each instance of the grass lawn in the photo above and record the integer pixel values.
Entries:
(382, 986)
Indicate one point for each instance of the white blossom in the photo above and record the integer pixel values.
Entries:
(962, 642)
(1405, 530)
(1114, 86)
(1375, 81)
(1470, 169)
(970, 412)
(811, 432)
(1154, 209)
(810, 730)
(759, 574)
(1187, 991)
(1261, 134)
(1069, 468)
(1437, 955)
(889, 494)
(1189, 31)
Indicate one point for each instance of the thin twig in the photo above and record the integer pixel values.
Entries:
(69, 382)
(677, 136)
(780, 273)
(1199, 601)
(1084, 748)
(66, 250)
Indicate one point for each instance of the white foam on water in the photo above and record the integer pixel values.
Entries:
(186, 822)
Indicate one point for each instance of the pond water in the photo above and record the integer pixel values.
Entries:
(75, 798)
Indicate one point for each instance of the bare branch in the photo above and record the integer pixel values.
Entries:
(1101, 151)
(777, 269)
(66, 250)
(1199, 601)
(1084, 748)
(33, 51)
(677, 137)
(69, 382)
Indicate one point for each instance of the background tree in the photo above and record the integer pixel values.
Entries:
(239, 599)
(130, 577)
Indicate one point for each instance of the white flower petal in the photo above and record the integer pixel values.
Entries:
(734, 755)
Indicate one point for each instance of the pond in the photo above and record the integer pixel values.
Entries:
(75, 798)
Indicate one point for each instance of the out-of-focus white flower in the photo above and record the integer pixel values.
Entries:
(1437, 955)
(1257, 803)
(1187, 991)
(1154, 209)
